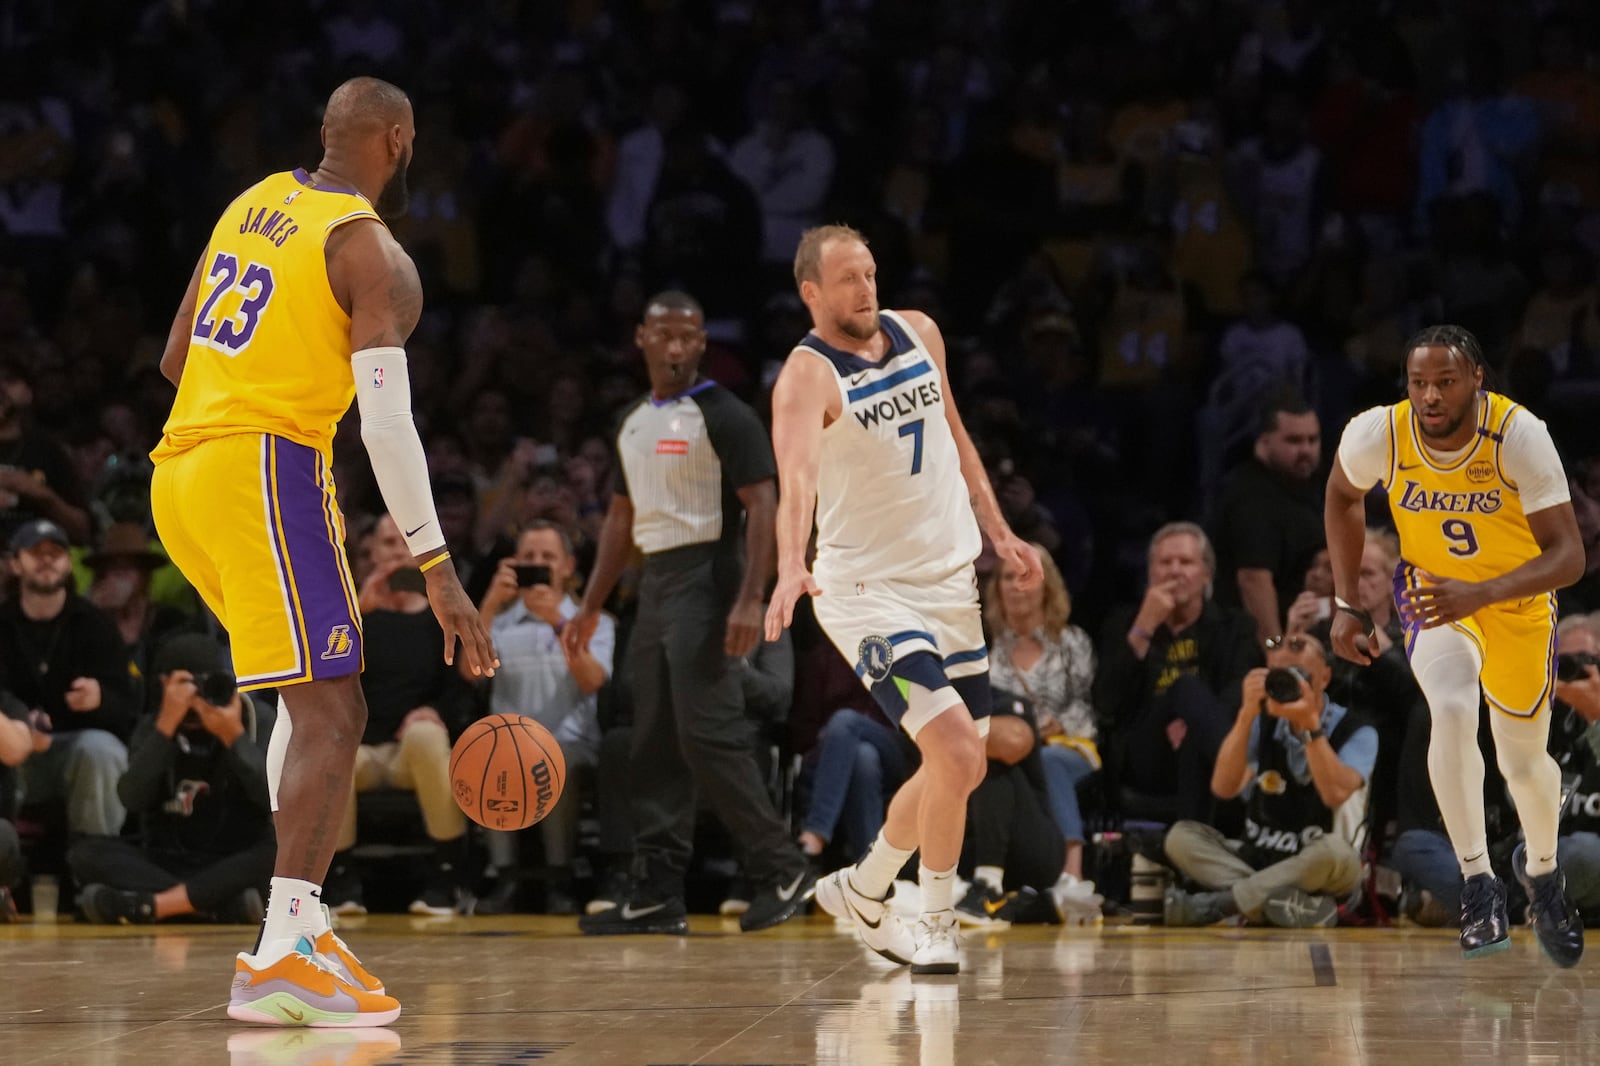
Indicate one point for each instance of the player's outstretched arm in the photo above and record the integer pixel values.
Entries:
(374, 279)
(177, 351)
(1021, 555)
(800, 402)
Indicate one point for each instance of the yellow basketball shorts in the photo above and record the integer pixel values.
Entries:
(252, 521)
(1516, 642)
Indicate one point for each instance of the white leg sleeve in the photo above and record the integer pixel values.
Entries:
(1532, 778)
(277, 748)
(1447, 664)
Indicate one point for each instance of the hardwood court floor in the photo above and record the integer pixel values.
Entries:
(485, 991)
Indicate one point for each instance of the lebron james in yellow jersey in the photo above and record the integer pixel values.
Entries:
(1487, 535)
(300, 304)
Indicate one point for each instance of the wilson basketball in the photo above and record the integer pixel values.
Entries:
(506, 771)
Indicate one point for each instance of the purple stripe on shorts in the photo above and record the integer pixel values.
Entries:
(333, 634)
(1402, 581)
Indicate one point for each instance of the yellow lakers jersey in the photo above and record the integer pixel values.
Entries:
(1463, 519)
(269, 347)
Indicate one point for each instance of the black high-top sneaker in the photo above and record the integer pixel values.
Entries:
(1555, 920)
(1484, 925)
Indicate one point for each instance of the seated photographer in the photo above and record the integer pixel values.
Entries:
(1305, 762)
(411, 696)
(1575, 742)
(527, 604)
(197, 780)
(18, 740)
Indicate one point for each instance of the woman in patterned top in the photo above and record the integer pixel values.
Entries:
(1035, 653)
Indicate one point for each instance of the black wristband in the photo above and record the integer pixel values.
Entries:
(1368, 627)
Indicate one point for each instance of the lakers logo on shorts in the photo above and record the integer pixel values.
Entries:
(875, 655)
(339, 643)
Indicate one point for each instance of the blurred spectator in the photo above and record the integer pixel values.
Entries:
(1170, 670)
(789, 165)
(37, 479)
(640, 153)
(527, 605)
(1575, 742)
(1567, 92)
(122, 567)
(197, 779)
(412, 697)
(1269, 520)
(18, 740)
(1305, 762)
(1280, 182)
(67, 662)
(1035, 653)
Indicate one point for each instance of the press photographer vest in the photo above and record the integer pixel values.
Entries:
(1581, 812)
(1283, 815)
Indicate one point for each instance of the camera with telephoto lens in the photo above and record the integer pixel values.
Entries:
(1283, 683)
(1574, 665)
(217, 688)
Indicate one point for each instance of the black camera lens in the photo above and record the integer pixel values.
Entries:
(1283, 683)
(1573, 666)
(216, 689)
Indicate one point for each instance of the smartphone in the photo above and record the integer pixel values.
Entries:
(529, 576)
(409, 579)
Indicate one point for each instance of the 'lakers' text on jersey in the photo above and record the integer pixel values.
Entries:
(891, 501)
(269, 347)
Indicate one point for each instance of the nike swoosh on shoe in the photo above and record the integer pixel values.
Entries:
(629, 912)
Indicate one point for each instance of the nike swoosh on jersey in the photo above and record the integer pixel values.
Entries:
(1403, 466)
(859, 378)
(630, 912)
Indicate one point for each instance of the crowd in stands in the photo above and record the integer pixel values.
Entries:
(1173, 247)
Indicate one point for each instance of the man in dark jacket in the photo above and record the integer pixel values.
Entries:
(197, 780)
(1170, 674)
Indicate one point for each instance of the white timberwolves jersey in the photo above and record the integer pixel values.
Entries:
(891, 502)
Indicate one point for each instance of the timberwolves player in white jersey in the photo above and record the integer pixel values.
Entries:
(866, 435)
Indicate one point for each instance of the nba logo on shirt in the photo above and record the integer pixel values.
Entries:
(294, 906)
(377, 377)
(339, 643)
(291, 197)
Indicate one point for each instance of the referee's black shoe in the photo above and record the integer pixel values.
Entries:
(1555, 920)
(775, 903)
(639, 912)
(1485, 929)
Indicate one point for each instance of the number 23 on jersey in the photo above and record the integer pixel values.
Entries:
(238, 296)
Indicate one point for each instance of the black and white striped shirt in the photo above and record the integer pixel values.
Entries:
(683, 462)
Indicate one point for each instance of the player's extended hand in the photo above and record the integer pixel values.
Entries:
(1022, 558)
(578, 631)
(744, 629)
(1350, 639)
(791, 586)
(1438, 601)
(460, 621)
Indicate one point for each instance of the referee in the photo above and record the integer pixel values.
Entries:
(693, 457)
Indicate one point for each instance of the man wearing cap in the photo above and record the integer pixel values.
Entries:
(197, 777)
(122, 566)
(65, 660)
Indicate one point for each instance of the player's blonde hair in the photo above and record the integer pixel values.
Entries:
(1057, 600)
(808, 257)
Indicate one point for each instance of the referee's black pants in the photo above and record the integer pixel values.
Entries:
(690, 730)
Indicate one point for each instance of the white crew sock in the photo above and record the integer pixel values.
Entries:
(938, 889)
(876, 870)
(294, 909)
(993, 876)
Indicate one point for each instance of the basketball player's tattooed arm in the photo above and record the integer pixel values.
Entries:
(177, 350)
(1007, 545)
(376, 283)
(611, 556)
(1439, 601)
(1344, 521)
(803, 399)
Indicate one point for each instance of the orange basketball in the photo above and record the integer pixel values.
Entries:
(507, 771)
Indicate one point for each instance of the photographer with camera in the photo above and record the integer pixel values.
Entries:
(528, 604)
(197, 780)
(1575, 743)
(1305, 762)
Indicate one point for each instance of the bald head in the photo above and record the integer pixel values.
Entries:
(362, 107)
(367, 131)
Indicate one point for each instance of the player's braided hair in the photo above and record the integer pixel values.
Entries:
(1457, 339)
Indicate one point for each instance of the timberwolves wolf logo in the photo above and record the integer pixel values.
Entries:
(339, 643)
(874, 656)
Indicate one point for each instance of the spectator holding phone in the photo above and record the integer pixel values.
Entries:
(527, 605)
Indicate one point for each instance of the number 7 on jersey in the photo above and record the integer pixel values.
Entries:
(914, 431)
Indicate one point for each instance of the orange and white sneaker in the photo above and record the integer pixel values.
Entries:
(343, 961)
(296, 990)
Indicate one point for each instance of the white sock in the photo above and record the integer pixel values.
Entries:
(938, 889)
(294, 909)
(876, 870)
(1475, 864)
(993, 876)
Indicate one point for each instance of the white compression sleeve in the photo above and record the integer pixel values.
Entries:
(1447, 665)
(383, 396)
(277, 751)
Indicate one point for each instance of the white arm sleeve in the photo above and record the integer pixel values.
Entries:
(1532, 464)
(383, 396)
(1364, 448)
